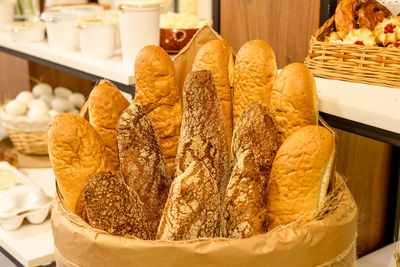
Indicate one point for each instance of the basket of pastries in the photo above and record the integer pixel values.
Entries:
(201, 173)
(359, 43)
(27, 117)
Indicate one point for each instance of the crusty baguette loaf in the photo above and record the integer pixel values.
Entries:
(104, 107)
(256, 131)
(193, 206)
(76, 152)
(197, 149)
(245, 200)
(300, 175)
(143, 165)
(202, 117)
(216, 56)
(255, 73)
(114, 207)
(157, 92)
(294, 100)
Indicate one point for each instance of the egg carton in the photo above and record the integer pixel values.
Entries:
(20, 198)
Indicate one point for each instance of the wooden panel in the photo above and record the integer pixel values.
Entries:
(14, 76)
(365, 164)
(287, 25)
(57, 78)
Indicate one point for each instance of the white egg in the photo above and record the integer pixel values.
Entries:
(38, 103)
(61, 104)
(77, 99)
(62, 92)
(42, 89)
(74, 111)
(16, 108)
(53, 113)
(47, 99)
(38, 113)
(25, 97)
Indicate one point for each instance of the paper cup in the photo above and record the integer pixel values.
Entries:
(139, 27)
(6, 14)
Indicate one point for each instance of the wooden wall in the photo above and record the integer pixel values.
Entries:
(287, 26)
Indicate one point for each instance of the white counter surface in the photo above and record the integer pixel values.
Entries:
(380, 258)
(31, 244)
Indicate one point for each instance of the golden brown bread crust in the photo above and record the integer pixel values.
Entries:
(105, 105)
(143, 165)
(76, 152)
(215, 56)
(193, 206)
(300, 175)
(112, 206)
(256, 131)
(255, 73)
(157, 92)
(245, 199)
(294, 100)
(197, 149)
(202, 117)
(356, 14)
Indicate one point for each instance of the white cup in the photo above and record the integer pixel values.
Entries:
(6, 14)
(139, 27)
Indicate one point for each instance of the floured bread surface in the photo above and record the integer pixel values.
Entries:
(157, 92)
(143, 165)
(76, 153)
(193, 206)
(255, 73)
(300, 175)
(197, 149)
(202, 117)
(294, 100)
(256, 131)
(114, 207)
(245, 200)
(216, 56)
(105, 105)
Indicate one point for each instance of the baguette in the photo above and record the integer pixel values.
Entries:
(255, 73)
(294, 100)
(300, 176)
(202, 117)
(143, 165)
(157, 92)
(76, 152)
(193, 206)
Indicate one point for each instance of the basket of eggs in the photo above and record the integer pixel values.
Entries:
(359, 43)
(27, 117)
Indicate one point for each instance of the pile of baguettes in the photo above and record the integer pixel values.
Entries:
(210, 161)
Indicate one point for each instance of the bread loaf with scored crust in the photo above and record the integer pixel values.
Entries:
(193, 207)
(255, 73)
(104, 107)
(143, 165)
(245, 200)
(300, 176)
(202, 117)
(294, 100)
(158, 93)
(216, 56)
(114, 207)
(76, 152)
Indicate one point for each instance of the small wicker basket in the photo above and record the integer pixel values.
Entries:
(34, 143)
(364, 64)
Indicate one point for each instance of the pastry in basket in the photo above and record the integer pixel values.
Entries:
(300, 176)
(395, 45)
(356, 14)
(335, 36)
(193, 208)
(388, 31)
(360, 37)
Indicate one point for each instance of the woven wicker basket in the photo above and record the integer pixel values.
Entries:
(364, 64)
(34, 143)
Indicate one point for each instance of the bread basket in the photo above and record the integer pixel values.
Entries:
(349, 62)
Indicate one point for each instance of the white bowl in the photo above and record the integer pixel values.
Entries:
(26, 32)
